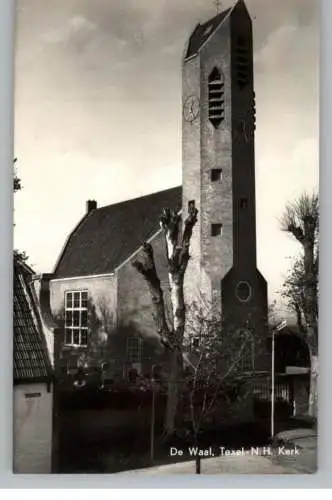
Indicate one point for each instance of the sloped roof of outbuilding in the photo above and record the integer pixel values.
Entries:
(31, 358)
(109, 235)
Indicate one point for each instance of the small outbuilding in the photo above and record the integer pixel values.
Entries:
(32, 377)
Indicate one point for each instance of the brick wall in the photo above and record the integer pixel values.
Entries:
(216, 152)
(191, 174)
(205, 148)
(220, 262)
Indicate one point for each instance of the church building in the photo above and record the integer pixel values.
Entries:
(95, 293)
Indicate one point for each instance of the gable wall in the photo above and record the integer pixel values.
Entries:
(135, 312)
(120, 307)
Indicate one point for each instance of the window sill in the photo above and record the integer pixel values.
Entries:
(67, 347)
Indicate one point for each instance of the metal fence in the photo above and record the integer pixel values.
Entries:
(262, 391)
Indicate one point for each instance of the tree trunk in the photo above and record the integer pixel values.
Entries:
(175, 366)
(198, 458)
(311, 320)
(172, 392)
(177, 258)
(313, 395)
(198, 464)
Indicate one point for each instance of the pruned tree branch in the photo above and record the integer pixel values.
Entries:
(301, 218)
(147, 268)
(170, 225)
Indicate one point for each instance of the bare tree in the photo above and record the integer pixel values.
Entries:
(301, 220)
(177, 243)
(216, 360)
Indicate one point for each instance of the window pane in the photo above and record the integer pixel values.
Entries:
(84, 299)
(76, 299)
(216, 174)
(84, 318)
(76, 335)
(133, 350)
(76, 318)
(84, 337)
(69, 299)
(69, 318)
(68, 338)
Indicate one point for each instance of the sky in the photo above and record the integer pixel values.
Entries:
(98, 112)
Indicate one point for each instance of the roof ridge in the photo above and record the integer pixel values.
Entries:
(155, 193)
(195, 45)
(110, 234)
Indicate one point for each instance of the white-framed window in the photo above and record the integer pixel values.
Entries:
(76, 318)
(134, 349)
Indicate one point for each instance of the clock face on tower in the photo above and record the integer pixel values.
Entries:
(191, 108)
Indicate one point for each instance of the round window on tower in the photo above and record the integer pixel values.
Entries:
(243, 291)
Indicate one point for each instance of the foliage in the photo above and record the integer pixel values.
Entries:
(294, 291)
(17, 186)
(17, 181)
(20, 256)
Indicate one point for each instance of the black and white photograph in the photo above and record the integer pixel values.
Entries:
(166, 237)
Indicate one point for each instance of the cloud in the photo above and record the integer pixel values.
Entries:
(276, 48)
(75, 28)
(99, 100)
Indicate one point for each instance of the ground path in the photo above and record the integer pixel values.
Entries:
(242, 464)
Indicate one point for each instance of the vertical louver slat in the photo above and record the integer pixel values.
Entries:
(242, 62)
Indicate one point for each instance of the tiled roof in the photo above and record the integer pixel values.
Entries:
(203, 31)
(107, 236)
(31, 360)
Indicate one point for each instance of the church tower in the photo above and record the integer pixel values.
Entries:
(219, 167)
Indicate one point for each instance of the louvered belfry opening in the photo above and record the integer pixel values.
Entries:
(216, 97)
(242, 62)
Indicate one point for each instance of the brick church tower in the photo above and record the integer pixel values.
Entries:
(219, 167)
